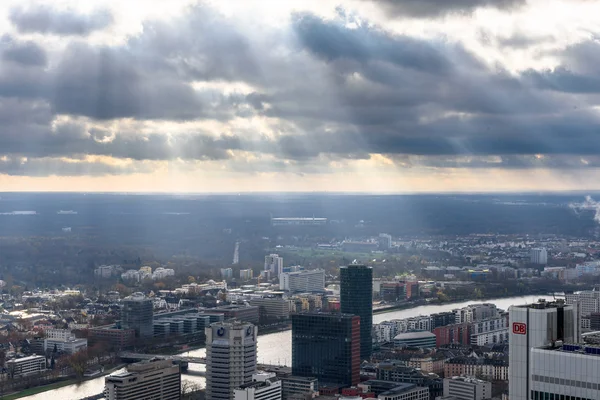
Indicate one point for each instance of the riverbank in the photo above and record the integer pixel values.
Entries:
(56, 385)
(407, 306)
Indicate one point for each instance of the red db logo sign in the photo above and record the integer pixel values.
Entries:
(519, 328)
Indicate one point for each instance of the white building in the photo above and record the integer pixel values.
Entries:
(534, 325)
(490, 330)
(384, 332)
(159, 379)
(131, 275)
(264, 386)
(68, 346)
(539, 256)
(274, 263)
(303, 281)
(564, 372)
(467, 388)
(475, 312)
(26, 365)
(162, 273)
(230, 358)
(589, 300)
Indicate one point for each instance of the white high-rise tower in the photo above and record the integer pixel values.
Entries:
(230, 357)
(534, 325)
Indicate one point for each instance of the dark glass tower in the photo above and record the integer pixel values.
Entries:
(326, 346)
(356, 297)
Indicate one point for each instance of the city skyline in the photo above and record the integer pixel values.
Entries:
(353, 95)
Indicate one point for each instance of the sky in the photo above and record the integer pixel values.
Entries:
(389, 96)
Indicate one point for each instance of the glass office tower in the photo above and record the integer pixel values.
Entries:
(326, 346)
(356, 297)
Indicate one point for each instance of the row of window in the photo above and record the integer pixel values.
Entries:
(535, 395)
(565, 382)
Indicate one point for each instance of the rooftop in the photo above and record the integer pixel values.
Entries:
(543, 304)
(415, 335)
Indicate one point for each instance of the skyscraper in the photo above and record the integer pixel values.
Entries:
(356, 297)
(230, 358)
(137, 313)
(534, 325)
(326, 346)
(539, 256)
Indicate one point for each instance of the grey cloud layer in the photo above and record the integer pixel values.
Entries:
(331, 93)
(45, 19)
(436, 8)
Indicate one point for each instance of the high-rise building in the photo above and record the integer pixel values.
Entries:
(467, 388)
(226, 273)
(230, 358)
(539, 256)
(274, 264)
(246, 274)
(303, 281)
(137, 313)
(327, 347)
(264, 386)
(157, 379)
(534, 325)
(356, 297)
(568, 371)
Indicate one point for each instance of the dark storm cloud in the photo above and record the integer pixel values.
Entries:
(45, 19)
(333, 41)
(25, 53)
(331, 93)
(438, 8)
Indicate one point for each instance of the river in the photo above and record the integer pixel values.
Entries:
(276, 348)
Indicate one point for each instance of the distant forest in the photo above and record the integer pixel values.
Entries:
(110, 228)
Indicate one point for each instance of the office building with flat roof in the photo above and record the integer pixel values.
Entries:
(230, 358)
(264, 386)
(467, 388)
(137, 313)
(534, 325)
(327, 347)
(306, 281)
(146, 380)
(421, 339)
(356, 297)
(26, 366)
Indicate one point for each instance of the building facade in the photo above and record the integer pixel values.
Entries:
(534, 325)
(26, 366)
(467, 388)
(567, 372)
(327, 347)
(274, 264)
(356, 297)
(264, 386)
(303, 281)
(230, 358)
(138, 314)
(148, 380)
(539, 256)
